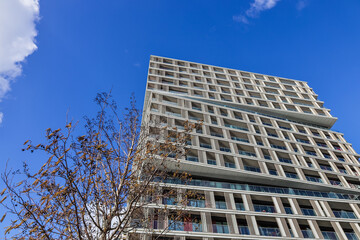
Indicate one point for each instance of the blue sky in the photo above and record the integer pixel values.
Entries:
(85, 47)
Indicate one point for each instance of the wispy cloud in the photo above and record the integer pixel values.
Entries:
(301, 4)
(17, 39)
(255, 9)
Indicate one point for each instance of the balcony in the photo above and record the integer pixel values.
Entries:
(247, 153)
(211, 161)
(285, 160)
(252, 169)
(230, 165)
(205, 145)
(225, 149)
(351, 236)
(303, 141)
(264, 208)
(311, 153)
(288, 210)
(220, 228)
(196, 203)
(329, 235)
(240, 206)
(236, 127)
(220, 205)
(240, 139)
(216, 135)
(244, 230)
(344, 214)
(192, 158)
(291, 175)
(268, 157)
(308, 212)
(271, 232)
(278, 147)
(327, 168)
(307, 233)
(314, 179)
(185, 226)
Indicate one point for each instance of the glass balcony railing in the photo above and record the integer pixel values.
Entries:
(230, 165)
(288, 210)
(220, 228)
(311, 153)
(196, 203)
(240, 139)
(240, 206)
(267, 231)
(216, 134)
(205, 145)
(250, 154)
(257, 188)
(264, 208)
(303, 141)
(169, 201)
(185, 226)
(220, 205)
(278, 147)
(285, 160)
(327, 168)
(273, 172)
(335, 183)
(314, 179)
(244, 230)
(291, 175)
(236, 127)
(308, 211)
(329, 235)
(307, 233)
(252, 169)
(225, 149)
(192, 158)
(268, 157)
(344, 214)
(211, 162)
(351, 236)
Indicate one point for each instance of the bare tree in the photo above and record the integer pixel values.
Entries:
(99, 185)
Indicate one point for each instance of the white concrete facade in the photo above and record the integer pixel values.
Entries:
(265, 159)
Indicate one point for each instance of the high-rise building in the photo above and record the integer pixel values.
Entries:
(265, 159)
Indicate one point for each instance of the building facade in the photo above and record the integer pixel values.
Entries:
(265, 158)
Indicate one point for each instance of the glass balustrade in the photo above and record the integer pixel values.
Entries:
(230, 165)
(220, 228)
(244, 230)
(267, 231)
(264, 208)
(308, 211)
(344, 214)
(257, 188)
(240, 206)
(307, 233)
(329, 235)
(184, 226)
(220, 205)
(196, 203)
(250, 154)
(351, 236)
(252, 169)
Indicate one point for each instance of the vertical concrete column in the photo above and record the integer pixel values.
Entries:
(356, 209)
(231, 223)
(209, 199)
(356, 228)
(327, 209)
(317, 208)
(339, 231)
(252, 225)
(230, 202)
(294, 206)
(315, 229)
(300, 173)
(263, 167)
(247, 202)
(295, 227)
(283, 227)
(324, 177)
(202, 156)
(278, 205)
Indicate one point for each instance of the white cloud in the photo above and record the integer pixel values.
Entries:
(17, 38)
(301, 4)
(255, 8)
